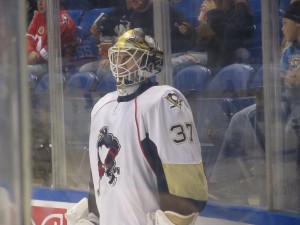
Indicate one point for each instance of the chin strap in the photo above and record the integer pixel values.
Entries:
(170, 218)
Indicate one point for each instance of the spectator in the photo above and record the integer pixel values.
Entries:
(244, 124)
(181, 30)
(117, 23)
(157, 151)
(290, 63)
(139, 13)
(231, 26)
(289, 66)
(284, 43)
(37, 43)
(221, 38)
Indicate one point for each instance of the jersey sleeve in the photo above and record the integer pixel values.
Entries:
(32, 30)
(168, 121)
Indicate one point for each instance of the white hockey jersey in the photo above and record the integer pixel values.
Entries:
(140, 147)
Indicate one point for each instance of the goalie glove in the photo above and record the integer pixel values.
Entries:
(91, 219)
(170, 218)
(78, 211)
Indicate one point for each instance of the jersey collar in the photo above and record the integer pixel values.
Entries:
(144, 86)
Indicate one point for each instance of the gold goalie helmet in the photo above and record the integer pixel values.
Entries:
(134, 58)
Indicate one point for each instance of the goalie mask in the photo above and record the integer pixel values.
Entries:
(134, 58)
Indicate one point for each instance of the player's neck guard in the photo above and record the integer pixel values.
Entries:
(141, 88)
(124, 90)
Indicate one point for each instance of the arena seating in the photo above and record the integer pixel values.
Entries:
(231, 78)
(283, 4)
(255, 5)
(81, 85)
(43, 85)
(82, 81)
(232, 84)
(87, 51)
(105, 85)
(78, 103)
(257, 81)
(32, 81)
(76, 15)
(192, 78)
(223, 96)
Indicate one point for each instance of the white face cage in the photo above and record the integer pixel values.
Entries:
(131, 65)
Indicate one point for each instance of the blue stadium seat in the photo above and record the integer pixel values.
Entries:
(230, 81)
(77, 4)
(232, 78)
(215, 111)
(81, 33)
(283, 4)
(233, 82)
(192, 78)
(255, 57)
(81, 85)
(257, 81)
(256, 39)
(106, 84)
(81, 81)
(78, 103)
(75, 15)
(40, 97)
(255, 5)
(43, 85)
(32, 82)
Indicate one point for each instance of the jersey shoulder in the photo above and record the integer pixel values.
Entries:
(108, 98)
(157, 95)
(160, 90)
(38, 18)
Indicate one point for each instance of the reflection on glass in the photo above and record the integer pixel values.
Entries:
(217, 62)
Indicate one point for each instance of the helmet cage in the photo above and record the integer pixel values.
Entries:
(143, 64)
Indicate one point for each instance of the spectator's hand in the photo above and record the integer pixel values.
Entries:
(292, 78)
(208, 5)
(104, 63)
(95, 31)
(184, 28)
(33, 58)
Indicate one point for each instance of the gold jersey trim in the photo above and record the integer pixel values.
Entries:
(189, 176)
